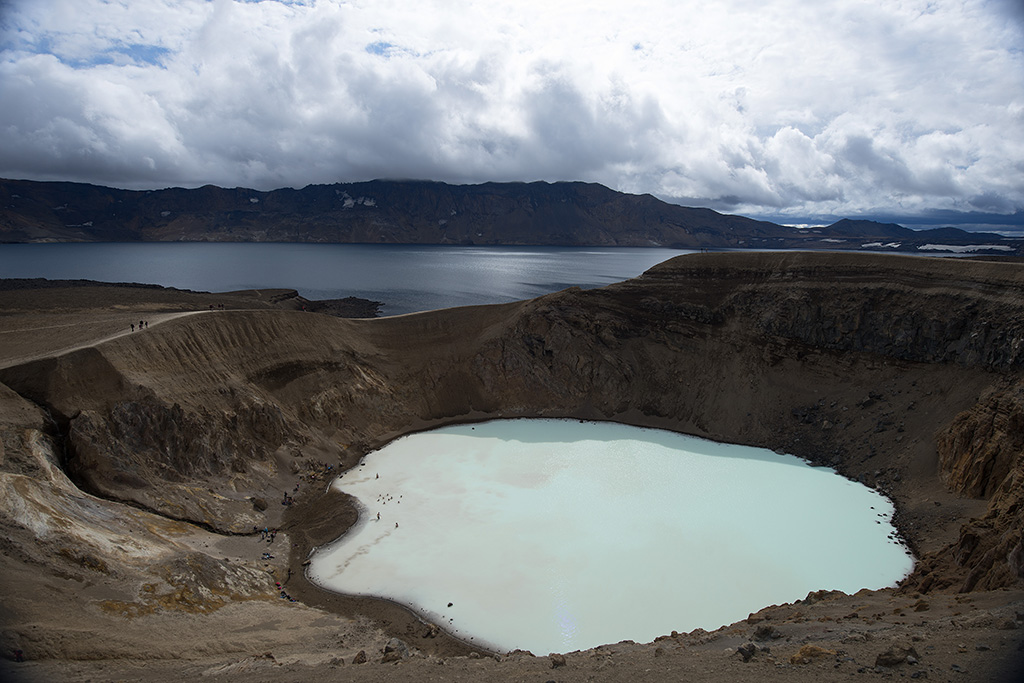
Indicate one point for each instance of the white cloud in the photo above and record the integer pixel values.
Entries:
(785, 107)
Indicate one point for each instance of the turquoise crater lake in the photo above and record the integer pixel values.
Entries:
(558, 535)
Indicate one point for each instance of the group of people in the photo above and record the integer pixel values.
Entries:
(284, 594)
(383, 500)
(142, 324)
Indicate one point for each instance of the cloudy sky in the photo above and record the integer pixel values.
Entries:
(782, 108)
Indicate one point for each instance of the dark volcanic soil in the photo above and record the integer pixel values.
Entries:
(135, 465)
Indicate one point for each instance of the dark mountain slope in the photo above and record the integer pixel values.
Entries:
(417, 212)
(407, 212)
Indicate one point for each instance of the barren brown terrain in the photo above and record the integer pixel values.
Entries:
(138, 468)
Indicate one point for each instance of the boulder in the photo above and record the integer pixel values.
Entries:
(897, 654)
(810, 653)
(747, 651)
(395, 651)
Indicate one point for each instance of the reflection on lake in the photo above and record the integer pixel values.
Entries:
(406, 278)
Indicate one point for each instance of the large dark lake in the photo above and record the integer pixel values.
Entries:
(404, 278)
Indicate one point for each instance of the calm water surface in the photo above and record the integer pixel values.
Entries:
(405, 278)
(556, 535)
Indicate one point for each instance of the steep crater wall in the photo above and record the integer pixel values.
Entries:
(822, 355)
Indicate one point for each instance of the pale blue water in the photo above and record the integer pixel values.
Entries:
(557, 535)
(405, 278)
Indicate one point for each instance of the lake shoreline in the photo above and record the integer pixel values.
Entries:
(654, 491)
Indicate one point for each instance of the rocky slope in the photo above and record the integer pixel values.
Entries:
(133, 467)
(420, 212)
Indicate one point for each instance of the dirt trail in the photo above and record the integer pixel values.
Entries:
(76, 330)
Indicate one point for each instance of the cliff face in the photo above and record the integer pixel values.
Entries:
(982, 447)
(420, 212)
(981, 454)
(153, 454)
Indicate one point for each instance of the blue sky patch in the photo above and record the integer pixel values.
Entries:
(381, 47)
(132, 53)
(145, 54)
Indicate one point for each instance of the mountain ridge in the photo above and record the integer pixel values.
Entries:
(422, 212)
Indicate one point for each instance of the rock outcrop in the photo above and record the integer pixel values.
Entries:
(981, 454)
(983, 445)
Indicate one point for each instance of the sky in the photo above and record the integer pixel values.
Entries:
(797, 111)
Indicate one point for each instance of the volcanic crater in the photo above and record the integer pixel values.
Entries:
(163, 487)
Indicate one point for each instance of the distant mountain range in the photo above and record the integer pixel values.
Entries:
(423, 212)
